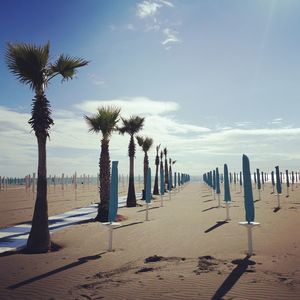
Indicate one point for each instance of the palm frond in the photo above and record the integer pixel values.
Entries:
(132, 125)
(66, 66)
(104, 121)
(148, 142)
(140, 140)
(28, 62)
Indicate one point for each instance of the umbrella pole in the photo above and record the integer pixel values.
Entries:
(147, 212)
(214, 195)
(287, 191)
(227, 212)
(111, 227)
(278, 200)
(259, 194)
(219, 204)
(161, 200)
(249, 227)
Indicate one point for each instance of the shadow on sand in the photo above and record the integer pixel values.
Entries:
(209, 208)
(276, 209)
(127, 225)
(80, 261)
(218, 224)
(234, 276)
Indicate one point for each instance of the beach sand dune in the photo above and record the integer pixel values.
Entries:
(185, 251)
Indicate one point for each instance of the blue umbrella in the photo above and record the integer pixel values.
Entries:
(248, 195)
(258, 179)
(287, 178)
(148, 186)
(227, 197)
(273, 181)
(162, 182)
(278, 185)
(217, 181)
(278, 181)
(113, 196)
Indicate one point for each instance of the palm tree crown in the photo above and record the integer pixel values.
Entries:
(105, 120)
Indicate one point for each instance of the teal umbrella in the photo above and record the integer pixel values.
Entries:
(287, 178)
(227, 197)
(148, 186)
(278, 181)
(248, 195)
(217, 181)
(258, 179)
(162, 182)
(113, 197)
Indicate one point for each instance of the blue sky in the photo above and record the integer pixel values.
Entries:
(214, 80)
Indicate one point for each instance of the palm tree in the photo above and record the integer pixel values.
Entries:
(131, 126)
(166, 167)
(155, 188)
(146, 144)
(30, 64)
(104, 121)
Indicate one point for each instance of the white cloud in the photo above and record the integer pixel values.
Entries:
(147, 8)
(96, 80)
(170, 37)
(131, 106)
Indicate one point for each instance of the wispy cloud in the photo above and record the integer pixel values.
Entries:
(96, 80)
(149, 11)
(170, 37)
(147, 8)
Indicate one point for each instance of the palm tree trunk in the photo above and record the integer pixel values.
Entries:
(104, 165)
(39, 237)
(131, 198)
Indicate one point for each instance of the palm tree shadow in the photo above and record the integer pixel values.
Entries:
(234, 276)
(126, 225)
(218, 224)
(80, 261)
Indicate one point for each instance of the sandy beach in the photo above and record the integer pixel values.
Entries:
(185, 251)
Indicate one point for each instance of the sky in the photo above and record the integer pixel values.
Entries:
(213, 79)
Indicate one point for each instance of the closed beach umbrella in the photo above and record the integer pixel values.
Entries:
(287, 178)
(148, 186)
(113, 196)
(278, 181)
(272, 178)
(227, 197)
(248, 195)
(217, 181)
(162, 182)
(214, 180)
(258, 179)
(241, 180)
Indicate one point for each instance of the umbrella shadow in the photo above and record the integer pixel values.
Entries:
(209, 208)
(130, 224)
(148, 208)
(80, 261)
(218, 224)
(208, 200)
(276, 209)
(234, 276)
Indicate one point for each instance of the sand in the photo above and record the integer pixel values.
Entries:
(185, 251)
